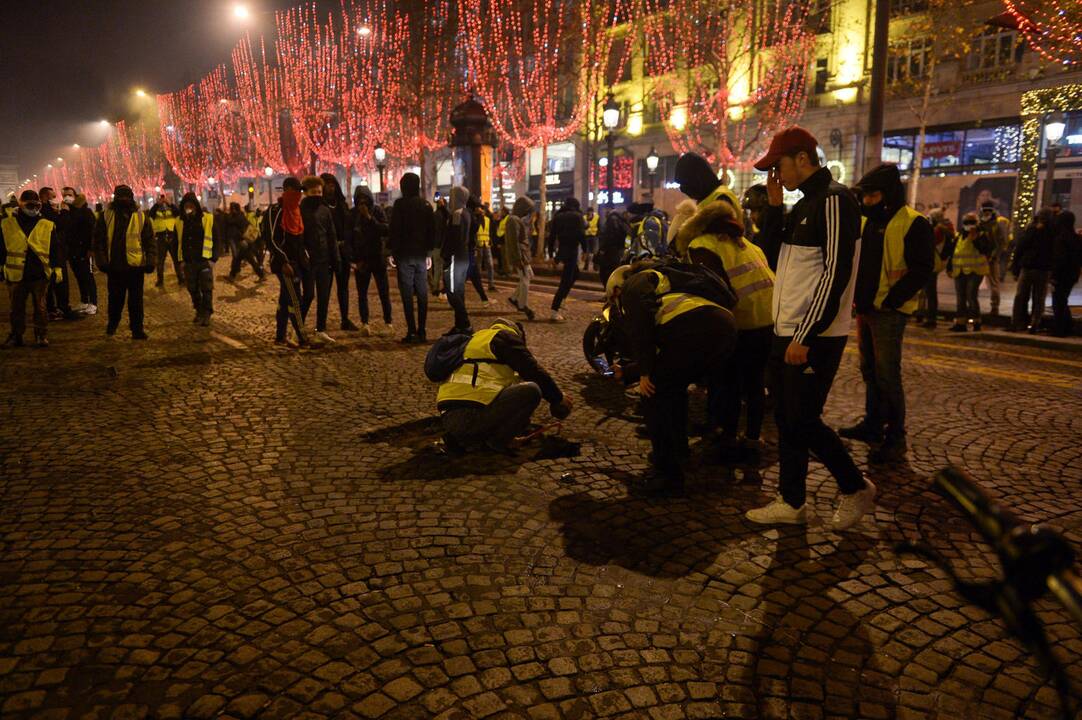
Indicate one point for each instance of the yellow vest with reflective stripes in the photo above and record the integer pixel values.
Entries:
(208, 236)
(483, 235)
(591, 226)
(893, 266)
(133, 237)
(18, 244)
(750, 277)
(479, 378)
(501, 229)
(675, 304)
(967, 258)
(164, 221)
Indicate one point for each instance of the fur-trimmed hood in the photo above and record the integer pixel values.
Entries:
(715, 217)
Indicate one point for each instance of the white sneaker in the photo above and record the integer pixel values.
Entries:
(365, 330)
(324, 337)
(778, 512)
(557, 317)
(851, 508)
(80, 308)
(91, 310)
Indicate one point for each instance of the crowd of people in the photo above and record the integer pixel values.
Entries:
(728, 294)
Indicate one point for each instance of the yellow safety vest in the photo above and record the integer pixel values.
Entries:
(208, 236)
(724, 192)
(750, 276)
(591, 226)
(501, 229)
(479, 378)
(483, 239)
(164, 221)
(17, 244)
(967, 258)
(893, 266)
(673, 305)
(133, 239)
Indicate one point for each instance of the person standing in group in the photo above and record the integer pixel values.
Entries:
(568, 227)
(125, 250)
(897, 249)
(283, 236)
(484, 259)
(163, 216)
(473, 272)
(241, 243)
(1066, 264)
(58, 301)
(441, 224)
(78, 236)
(195, 231)
(996, 228)
(818, 246)
(321, 243)
(369, 252)
(335, 201)
(455, 251)
(1031, 265)
(969, 264)
(30, 253)
(754, 203)
(943, 235)
(613, 241)
(589, 249)
(410, 234)
(517, 246)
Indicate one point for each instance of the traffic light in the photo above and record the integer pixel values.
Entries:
(251, 190)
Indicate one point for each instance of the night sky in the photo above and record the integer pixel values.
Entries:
(67, 65)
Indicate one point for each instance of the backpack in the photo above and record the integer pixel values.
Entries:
(697, 280)
(445, 356)
(649, 239)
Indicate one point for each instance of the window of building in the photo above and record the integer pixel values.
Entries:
(992, 145)
(942, 149)
(898, 149)
(994, 48)
(822, 76)
(819, 16)
(561, 158)
(619, 67)
(908, 7)
(651, 112)
(909, 60)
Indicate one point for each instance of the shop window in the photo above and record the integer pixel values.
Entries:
(898, 149)
(992, 145)
(909, 60)
(943, 149)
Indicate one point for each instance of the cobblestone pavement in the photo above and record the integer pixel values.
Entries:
(204, 525)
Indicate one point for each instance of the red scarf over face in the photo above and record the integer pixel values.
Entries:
(291, 212)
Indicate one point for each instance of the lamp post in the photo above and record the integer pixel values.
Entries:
(1054, 128)
(268, 172)
(381, 163)
(610, 116)
(651, 165)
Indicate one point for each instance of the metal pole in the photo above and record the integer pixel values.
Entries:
(873, 143)
(609, 180)
(381, 182)
(1049, 176)
(652, 176)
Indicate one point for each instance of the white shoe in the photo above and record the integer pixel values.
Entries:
(486, 303)
(91, 310)
(851, 508)
(388, 329)
(324, 337)
(778, 512)
(80, 308)
(557, 317)
(365, 330)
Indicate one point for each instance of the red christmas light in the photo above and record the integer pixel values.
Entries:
(1053, 28)
(261, 94)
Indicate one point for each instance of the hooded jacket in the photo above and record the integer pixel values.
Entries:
(109, 252)
(191, 243)
(368, 234)
(919, 250)
(1034, 250)
(1066, 249)
(411, 227)
(79, 229)
(569, 228)
(456, 239)
(340, 213)
(282, 245)
(710, 218)
(320, 236)
(517, 236)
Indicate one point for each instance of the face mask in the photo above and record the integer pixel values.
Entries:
(189, 211)
(69, 199)
(32, 212)
(876, 212)
(968, 226)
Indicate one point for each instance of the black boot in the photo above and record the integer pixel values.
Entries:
(863, 432)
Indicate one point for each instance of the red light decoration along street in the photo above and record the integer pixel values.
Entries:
(725, 78)
(232, 153)
(261, 95)
(186, 132)
(1052, 28)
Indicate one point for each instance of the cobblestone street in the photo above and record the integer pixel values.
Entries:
(207, 525)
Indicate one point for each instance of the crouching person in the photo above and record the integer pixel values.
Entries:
(492, 393)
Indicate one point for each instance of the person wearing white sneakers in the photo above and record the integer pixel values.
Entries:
(818, 247)
(369, 250)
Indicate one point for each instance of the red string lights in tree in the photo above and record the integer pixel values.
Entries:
(186, 132)
(726, 78)
(232, 154)
(1053, 28)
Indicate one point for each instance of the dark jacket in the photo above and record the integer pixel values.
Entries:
(510, 349)
(111, 253)
(815, 246)
(78, 229)
(517, 237)
(1066, 249)
(1034, 249)
(191, 244)
(236, 224)
(369, 234)
(281, 245)
(342, 226)
(320, 237)
(33, 270)
(569, 227)
(411, 227)
(456, 240)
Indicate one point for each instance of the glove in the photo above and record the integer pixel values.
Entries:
(390, 262)
(428, 263)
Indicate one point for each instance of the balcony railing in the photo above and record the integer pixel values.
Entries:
(989, 75)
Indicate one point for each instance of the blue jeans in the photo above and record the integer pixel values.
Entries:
(455, 271)
(413, 280)
(879, 335)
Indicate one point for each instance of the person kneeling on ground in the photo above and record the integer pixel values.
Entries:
(492, 394)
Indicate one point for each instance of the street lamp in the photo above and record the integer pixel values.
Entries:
(241, 11)
(651, 164)
(381, 163)
(268, 172)
(1054, 128)
(610, 116)
(364, 31)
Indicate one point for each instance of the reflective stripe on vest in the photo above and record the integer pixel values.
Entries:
(164, 221)
(673, 305)
(16, 243)
(480, 378)
(750, 277)
(483, 239)
(967, 258)
(208, 236)
(591, 226)
(501, 229)
(133, 242)
(893, 267)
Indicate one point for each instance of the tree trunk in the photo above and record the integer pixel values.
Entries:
(918, 153)
(541, 221)
(423, 173)
(349, 180)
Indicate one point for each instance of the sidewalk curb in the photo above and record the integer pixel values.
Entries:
(1045, 343)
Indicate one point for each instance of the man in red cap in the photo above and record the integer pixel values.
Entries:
(817, 246)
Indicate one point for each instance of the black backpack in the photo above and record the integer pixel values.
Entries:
(445, 356)
(697, 280)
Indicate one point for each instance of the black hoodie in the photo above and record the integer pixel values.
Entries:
(411, 224)
(697, 179)
(368, 234)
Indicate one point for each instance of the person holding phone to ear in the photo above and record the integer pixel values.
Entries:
(817, 247)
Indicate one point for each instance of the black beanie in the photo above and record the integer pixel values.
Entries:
(697, 179)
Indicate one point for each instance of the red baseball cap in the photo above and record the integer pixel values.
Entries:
(787, 142)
